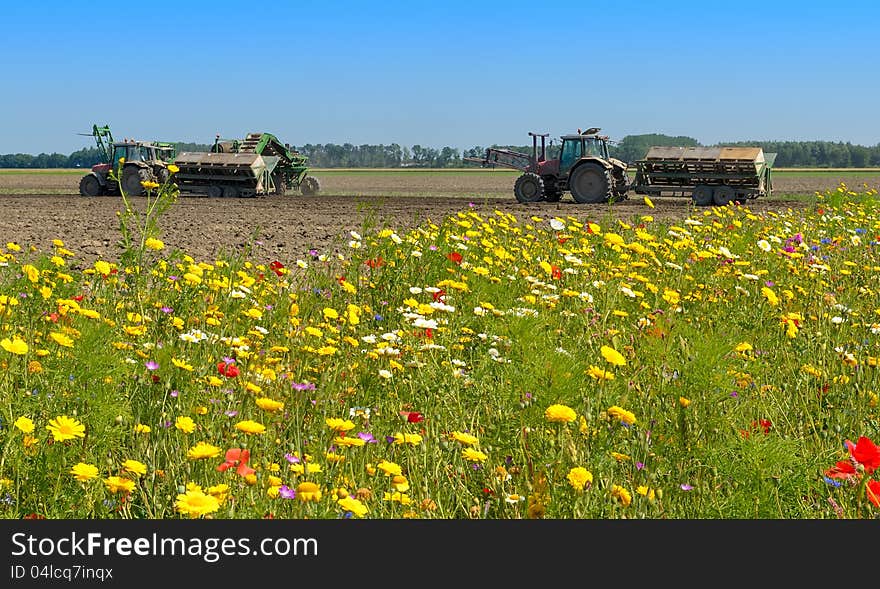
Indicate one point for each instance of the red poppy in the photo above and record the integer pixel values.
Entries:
(413, 416)
(34, 516)
(873, 492)
(844, 469)
(375, 263)
(555, 272)
(866, 453)
(561, 240)
(227, 369)
(439, 295)
(78, 298)
(277, 267)
(238, 458)
(455, 257)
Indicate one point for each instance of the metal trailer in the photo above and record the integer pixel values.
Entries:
(224, 174)
(709, 175)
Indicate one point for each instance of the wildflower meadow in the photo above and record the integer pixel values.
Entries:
(486, 366)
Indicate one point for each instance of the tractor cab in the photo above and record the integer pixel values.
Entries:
(583, 145)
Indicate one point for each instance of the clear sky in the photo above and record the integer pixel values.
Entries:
(445, 73)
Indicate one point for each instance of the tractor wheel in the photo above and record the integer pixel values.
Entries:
(529, 188)
(230, 192)
(89, 185)
(280, 186)
(132, 176)
(163, 175)
(702, 195)
(590, 184)
(723, 195)
(309, 186)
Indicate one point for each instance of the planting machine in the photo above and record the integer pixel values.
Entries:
(709, 175)
(256, 166)
(139, 161)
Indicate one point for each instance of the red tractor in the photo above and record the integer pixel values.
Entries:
(141, 161)
(584, 168)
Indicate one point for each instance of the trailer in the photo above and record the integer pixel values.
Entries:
(258, 165)
(708, 175)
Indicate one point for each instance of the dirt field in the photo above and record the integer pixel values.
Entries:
(37, 208)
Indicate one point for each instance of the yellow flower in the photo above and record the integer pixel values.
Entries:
(103, 268)
(353, 505)
(400, 483)
(14, 346)
(622, 414)
(308, 491)
(621, 494)
(411, 439)
(267, 404)
(348, 442)
(579, 477)
(599, 373)
(149, 185)
(743, 347)
(466, 439)
(389, 468)
(648, 202)
(339, 425)
(64, 428)
(770, 296)
(135, 467)
(684, 401)
(250, 427)
(203, 450)
(173, 169)
(142, 429)
(25, 424)
(154, 244)
(397, 497)
(473, 455)
(196, 503)
(116, 484)
(83, 472)
(612, 356)
(61, 339)
(185, 424)
(560, 413)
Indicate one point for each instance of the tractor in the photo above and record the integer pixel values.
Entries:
(140, 161)
(584, 168)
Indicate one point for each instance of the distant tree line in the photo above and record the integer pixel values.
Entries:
(790, 154)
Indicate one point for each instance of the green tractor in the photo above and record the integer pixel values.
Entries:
(140, 161)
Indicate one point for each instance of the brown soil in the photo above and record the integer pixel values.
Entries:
(286, 228)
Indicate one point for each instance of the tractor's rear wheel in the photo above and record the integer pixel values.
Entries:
(162, 175)
(132, 176)
(590, 184)
(89, 185)
(309, 186)
(529, 188)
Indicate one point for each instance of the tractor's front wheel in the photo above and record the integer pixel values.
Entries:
(529, 188)
(309, 186)
(590, 184)
(89, 185)
(132, 176)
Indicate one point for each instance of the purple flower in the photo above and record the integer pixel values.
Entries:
(390, 439)
(228, 360)
(286, 492)
(367, 437)
(175, 393)
(231, 413)
(769, 283)
(167, 310)
(686, 487)
(291, 458)
(303, 386)
(432, 247)
(152, 365)
(640, 465)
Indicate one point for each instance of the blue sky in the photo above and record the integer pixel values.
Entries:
(437, 74)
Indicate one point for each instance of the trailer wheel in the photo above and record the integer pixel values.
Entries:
(278, 181)
(723, 195)
(529, 188)
(309, 186)
(590, 184)
(702, 195)
(89, 185)
(215, 191)
(163, 175)
(230, 192)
